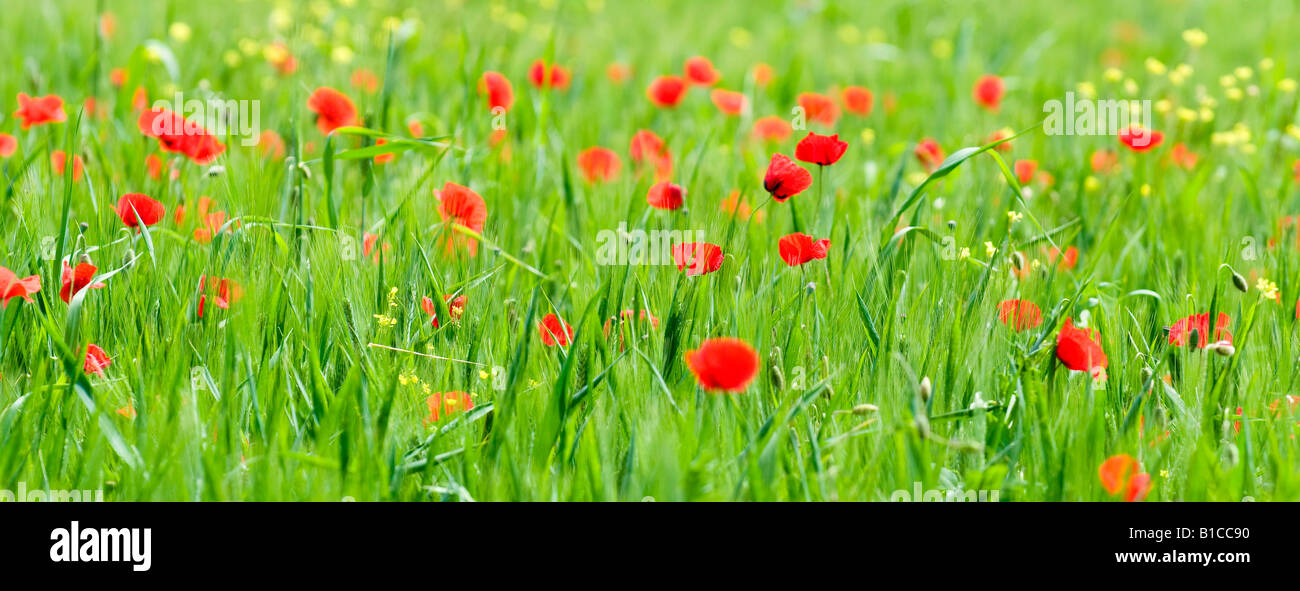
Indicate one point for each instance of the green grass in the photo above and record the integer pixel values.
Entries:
(296, 392)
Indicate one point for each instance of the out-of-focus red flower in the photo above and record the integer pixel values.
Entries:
(1104, 161)
(333, 109)
(365, 80)
(772, 129)
(75, 280)
(139, 99)
(929, 153)
(823, 150)
(59, 162)
(598, 164)
(857, 100)
(1182, 157)
(1070, 261)
(699, 70)
(459, 205)
(107, 25)
(12, 287)
(723, 364)
(665, 195)
(278, 55)
(646, 147)
(1121, 473)
(1140, 139)
(1000, 135)
(697, 258)
(1079, 350)
(618, 73)
(762, 74)
(729, 102)
(176, 134)
(455, 307)
(1019, 314)
(210, 224)
(666, 91)
(371, 249)
(445, 404)
(270, 145)
(384, 158)
(39, 110)
(117, 77)
(149, 210)
(414, 128)
(988, 92)
(819, 108)
(228, 292)
(1180, 333)
(544, 76)
(555, 331)
(8, 144)
(785, 178)
(740, 209)
(500, 93)
(96, 360)
(1025, 170)
(799, 248)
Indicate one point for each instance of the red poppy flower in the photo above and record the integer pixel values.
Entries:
(555, 331)
(455, 307)
(819, 108)
(371, 249)
(1019, 314)
(697, 258)
(1104, 161)
(12, 287)
(1182, 157)
(762, 74)
(648, 147)
(365, 80)
(1070, 260)
(1295, 170)
(117, 77)
(666, 91)
(929, 153)
(824, 150)
(857, 100)
(785, 178)
(75, 280)
(598, 164)
(176, 134)
(1180, 333)
(665, 195)
(988, 92)
(96, 360)
(553, 76)
(40, 110)
(772, 129)
(8, 145)
(699, 70)
(1025, 171)
(1121, 473)
(728, 101)
(723, 364)
(59, 162)
(1000, 135)
(445, 404)
(131, 205)
(460, 205)
(228, 292)
(1079, 351)
(333, 109)
(799, 248)
(1139, 139)
(210, 225)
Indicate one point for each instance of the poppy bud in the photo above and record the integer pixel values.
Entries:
(952, 224)
(777, 378)
(216, 171)
(85, 258)
(128, 259)
(1018, 259)
(862, 409)
(926, 389)
(1223, 348)
(922, 424)
(1147, 373)
(1240, 282)
(83, 226)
